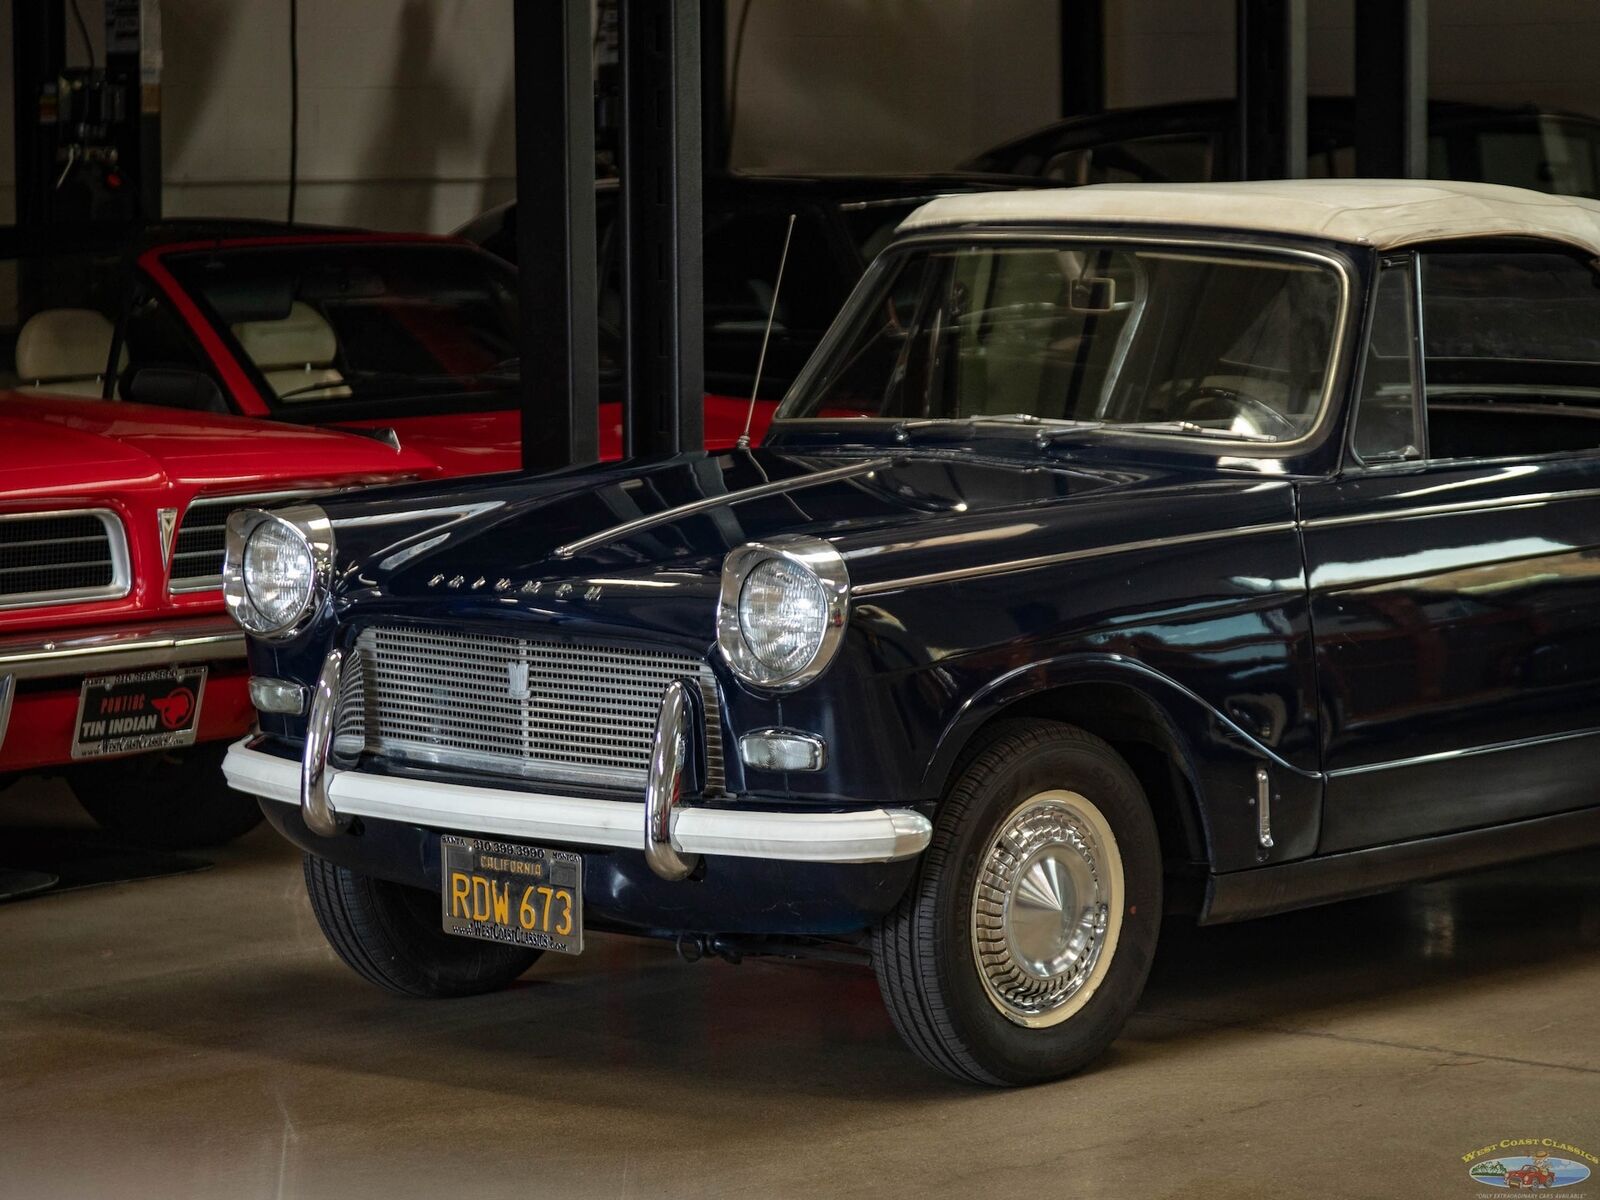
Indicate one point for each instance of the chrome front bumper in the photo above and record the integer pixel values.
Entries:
(863, 836)
(208, 639)
(125, 648)
(671, 834)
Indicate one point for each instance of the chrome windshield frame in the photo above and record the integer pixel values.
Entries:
(864, 295)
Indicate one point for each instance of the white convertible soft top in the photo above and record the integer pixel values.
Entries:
(1383, 213)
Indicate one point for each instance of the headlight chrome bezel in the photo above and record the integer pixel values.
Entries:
(813, 555)
(308, 523)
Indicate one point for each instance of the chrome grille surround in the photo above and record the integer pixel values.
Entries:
(580, 712)
(63, 556)
(199, 544)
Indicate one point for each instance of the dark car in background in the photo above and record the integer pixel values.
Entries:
(1522, 146)
(841, 222)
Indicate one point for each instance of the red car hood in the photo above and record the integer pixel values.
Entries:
(483, 442)
(78, 446)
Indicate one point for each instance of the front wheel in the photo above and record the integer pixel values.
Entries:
(391, 935)
(1024, 943)
(169, 799)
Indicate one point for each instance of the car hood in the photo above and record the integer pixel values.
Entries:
(659, 531)
(71, 446)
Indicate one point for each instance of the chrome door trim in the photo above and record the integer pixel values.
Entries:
(1050, 560)
(1526, 500)
(1468, 752)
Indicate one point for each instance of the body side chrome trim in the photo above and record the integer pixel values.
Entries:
(208, 640)
(862, 836)
(1527, 500)
(666, 516)
(1469, 752)
(1066, 556)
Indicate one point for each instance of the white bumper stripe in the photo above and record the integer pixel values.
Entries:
(873, 835)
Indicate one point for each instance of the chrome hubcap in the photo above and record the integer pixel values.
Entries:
(1047, 908)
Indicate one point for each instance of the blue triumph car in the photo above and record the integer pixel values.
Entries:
(1122, 550)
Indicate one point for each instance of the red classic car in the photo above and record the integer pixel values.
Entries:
(113, 638)
(1531, 1175)
(354, 330)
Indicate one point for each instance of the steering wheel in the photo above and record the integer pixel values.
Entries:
(1211, 402)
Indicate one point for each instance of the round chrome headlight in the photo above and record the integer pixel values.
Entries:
(782, 610)
(276, 568)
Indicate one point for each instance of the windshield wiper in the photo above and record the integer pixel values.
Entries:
(1190, 427)
(1046, 425)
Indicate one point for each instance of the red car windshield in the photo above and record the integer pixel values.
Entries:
(342, 331)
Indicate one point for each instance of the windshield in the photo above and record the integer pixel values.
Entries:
(351, 327)
(1203, 342)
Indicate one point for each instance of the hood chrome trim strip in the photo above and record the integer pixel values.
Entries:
(1066, 556)
(667, 516)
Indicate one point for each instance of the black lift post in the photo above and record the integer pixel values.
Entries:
(662, 272)
(1083, 57)
(556, 233)
(1392, 89)
(1271, 71)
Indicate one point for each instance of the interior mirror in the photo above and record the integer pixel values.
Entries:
(172, 387)
(1093, 294)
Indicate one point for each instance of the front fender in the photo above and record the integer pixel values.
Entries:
(1213, 751)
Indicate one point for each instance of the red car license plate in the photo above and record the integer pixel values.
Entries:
(140, 710)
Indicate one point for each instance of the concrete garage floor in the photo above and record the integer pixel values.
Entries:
(192, 1036)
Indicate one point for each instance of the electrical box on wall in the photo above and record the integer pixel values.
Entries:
(92, 158)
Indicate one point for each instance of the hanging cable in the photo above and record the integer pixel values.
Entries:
(83, 30)
(294, 104)
(733, 72)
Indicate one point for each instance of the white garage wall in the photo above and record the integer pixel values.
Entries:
(1530, 51)
(889, 85)
(405, 109)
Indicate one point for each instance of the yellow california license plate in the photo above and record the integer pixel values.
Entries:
(519, 895)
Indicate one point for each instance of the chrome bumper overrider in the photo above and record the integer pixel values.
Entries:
(672, 835)
(875, 835)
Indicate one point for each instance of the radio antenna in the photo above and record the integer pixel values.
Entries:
(761, 362)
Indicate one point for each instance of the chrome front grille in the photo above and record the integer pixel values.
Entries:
(201, 542)
(539, 708)
(62, 557)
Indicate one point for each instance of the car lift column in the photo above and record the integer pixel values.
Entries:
(1271, 72)
(1083, 57)
(556, 234)
(662, 271)
(1392, 89)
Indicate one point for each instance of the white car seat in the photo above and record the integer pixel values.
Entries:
(64, 351)
(296, 353)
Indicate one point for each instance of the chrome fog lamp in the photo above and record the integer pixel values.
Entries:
(781, 614)
(277, 567)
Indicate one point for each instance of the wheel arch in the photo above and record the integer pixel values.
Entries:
(1154, 722)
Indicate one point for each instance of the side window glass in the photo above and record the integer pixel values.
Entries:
(1510, 360)
(1386, 414)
